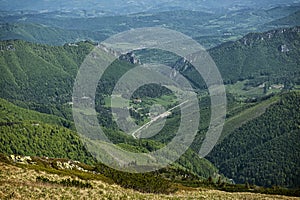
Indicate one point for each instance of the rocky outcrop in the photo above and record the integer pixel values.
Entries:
(70, 165)
(131, 58)
(283, 48)
(57, 163)
(21, 159)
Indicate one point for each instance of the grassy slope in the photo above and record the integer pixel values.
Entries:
(20, 183)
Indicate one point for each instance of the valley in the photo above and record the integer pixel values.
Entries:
(43, 153)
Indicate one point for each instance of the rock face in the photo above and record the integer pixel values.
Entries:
(253, 38)
(131, 58)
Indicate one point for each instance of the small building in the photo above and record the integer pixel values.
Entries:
(137, 100)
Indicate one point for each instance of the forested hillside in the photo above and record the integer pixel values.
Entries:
(265, 150)
(38, 76)
(258, 59)
(25, 132)
(270, 56)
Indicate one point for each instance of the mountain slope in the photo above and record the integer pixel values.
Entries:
(264, 151)
(12, 113)
(40, 75)
(260, 56)
(271, 57)
(26, 132)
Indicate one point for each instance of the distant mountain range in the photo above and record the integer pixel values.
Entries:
(119, 7)
(209, 29)
(290, 20)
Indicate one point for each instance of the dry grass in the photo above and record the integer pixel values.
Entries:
(20, 183)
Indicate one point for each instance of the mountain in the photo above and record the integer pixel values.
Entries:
(42, 46)
(272, 55)
(265, 150)
(42, 76)
(257, 59)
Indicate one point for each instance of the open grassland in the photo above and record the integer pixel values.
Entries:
(22, 183)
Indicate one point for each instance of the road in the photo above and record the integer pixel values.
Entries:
(161, 116)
